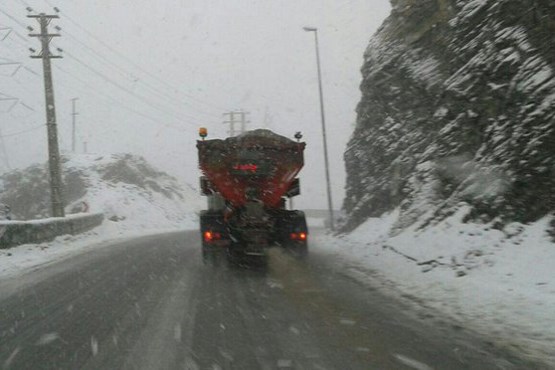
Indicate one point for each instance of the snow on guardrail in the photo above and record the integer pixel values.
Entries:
(13, 233)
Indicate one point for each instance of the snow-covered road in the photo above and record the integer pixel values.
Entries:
(151, 303)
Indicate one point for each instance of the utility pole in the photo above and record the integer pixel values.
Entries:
(56, 185)
(323, 119)
(231, 122)
(74, 114)
(5, 152)
(243, 121)
(236, 117)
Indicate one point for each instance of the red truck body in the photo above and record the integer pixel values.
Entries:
(246, 179)
(259, 159)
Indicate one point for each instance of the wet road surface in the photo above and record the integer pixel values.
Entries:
(151, 303)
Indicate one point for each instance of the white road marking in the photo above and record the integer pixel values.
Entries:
(47, 338)
(10, 359)
(347, 322)
(412, 363)
(94, 346)
(283, 363)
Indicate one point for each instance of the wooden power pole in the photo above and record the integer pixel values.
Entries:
(56, 185)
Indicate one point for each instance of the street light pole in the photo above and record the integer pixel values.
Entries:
(73, 129)
(323, 118)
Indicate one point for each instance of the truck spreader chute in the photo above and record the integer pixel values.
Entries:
(246, 179)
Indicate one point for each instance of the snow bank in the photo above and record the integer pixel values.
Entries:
(133, 194)
(28, 257)
(500, 283)
(135, 198)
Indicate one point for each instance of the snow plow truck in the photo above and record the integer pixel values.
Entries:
(247, 180)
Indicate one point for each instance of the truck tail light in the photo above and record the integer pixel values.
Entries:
(211, 236)
(298, 236)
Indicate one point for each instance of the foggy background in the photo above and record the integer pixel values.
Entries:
(147, 74)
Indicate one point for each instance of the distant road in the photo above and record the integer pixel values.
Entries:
(319, 213)
(151, 303)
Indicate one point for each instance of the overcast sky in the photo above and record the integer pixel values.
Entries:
(148, 73)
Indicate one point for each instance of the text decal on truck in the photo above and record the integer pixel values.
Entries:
(246, 167)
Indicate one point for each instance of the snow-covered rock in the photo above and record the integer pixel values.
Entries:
(128, 190)
(136, 199)
(458, 104)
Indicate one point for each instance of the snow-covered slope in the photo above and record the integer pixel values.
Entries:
(498, 283)
(136, 199)
(129, 191)
(458, 104)
(451, 167)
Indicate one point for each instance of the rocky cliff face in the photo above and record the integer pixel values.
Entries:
(458, 105)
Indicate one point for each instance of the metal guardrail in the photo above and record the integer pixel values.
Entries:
(13, 233)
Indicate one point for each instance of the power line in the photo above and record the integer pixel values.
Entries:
(18, 22)
(26, 4)
(21, 40)
(125, 73)
(115, 100)
(119, 86)
(26, 106)
(164, 110)
(13, 18)
(12, 100)
(155, 92)
(11, 63)
(130, 61)
(8, 31)
(31, 71)
(111, 81)
(21, 37)
(34, 128)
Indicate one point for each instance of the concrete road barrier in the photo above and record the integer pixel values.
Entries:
(13, 233)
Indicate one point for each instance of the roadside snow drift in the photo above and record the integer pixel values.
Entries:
(499, 282)
(127, 189)
(135, 198)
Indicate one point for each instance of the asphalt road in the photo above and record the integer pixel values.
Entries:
(151, 303)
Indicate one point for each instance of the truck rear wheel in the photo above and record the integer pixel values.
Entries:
(212, 256)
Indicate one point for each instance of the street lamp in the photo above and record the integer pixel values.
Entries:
(326, 161)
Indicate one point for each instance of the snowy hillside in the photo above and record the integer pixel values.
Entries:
(136, 199)
(130, 192)
(498, 283)
(458, 105)
(451, 176)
